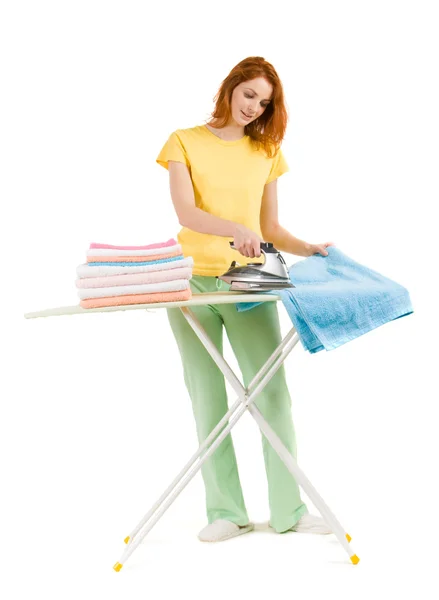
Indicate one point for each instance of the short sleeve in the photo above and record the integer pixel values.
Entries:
(172, 150)
(279, 166)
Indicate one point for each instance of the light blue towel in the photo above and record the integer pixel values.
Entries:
(135, 264)
(336, 300)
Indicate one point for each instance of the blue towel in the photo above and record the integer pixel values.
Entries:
(336, 300)
(134, 264)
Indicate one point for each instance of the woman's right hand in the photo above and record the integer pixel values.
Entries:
(246, 241)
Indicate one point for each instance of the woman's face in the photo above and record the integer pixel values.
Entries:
(250, 99)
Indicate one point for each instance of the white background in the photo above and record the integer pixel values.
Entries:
(96, 421)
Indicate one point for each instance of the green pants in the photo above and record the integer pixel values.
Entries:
(253, 336)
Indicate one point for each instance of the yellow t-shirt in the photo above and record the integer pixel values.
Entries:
(228, 178)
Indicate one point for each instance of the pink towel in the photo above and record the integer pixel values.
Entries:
(137, 299)
(134, 278)
(133, 258)
(170, 242)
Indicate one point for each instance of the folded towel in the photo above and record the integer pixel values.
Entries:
(131, 258)
(134, 278)
(336, 300)
(124, 290)
(170, 242)
(104, 269)
(150, 252)
(138, 299)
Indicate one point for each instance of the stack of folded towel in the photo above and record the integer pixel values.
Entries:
(118, 275)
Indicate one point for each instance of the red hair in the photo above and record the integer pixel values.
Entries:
(268, 130)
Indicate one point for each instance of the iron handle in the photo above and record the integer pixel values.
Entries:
(265, 246)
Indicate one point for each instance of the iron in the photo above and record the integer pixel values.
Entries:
(272, 274)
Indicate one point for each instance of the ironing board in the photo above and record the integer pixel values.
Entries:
(245, 401)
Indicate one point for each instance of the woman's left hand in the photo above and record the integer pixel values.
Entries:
(319, 248)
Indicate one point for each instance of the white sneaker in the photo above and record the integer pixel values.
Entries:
(310, 524)
(221, 530)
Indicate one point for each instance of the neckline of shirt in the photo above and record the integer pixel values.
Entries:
(224, 142)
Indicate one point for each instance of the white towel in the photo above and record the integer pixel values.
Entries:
(85, 270)
(126, 290)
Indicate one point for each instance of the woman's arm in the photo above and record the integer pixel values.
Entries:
(189, 215)
(271, 229)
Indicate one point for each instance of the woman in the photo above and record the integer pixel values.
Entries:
(223, 186)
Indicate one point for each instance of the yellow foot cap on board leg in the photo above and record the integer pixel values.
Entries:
(127, 539)
(117, 566)
(348, 537)
(355, 559)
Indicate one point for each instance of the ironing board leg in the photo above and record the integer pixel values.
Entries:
(200, 332)
(303, 481)
(272, 437)
(244, 402)
(137, 535)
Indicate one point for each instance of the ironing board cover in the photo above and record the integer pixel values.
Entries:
(196, 300)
